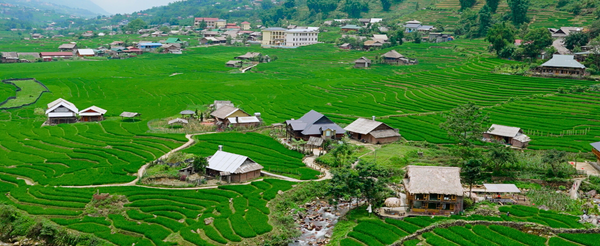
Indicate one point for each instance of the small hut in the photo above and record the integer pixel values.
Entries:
(233, 167)
(178, 121)
(509, 135)
(187, 113)
(433, 190)
(362, 62)
(233, 63)
(130, 115)
(392, 57)
(92, 113)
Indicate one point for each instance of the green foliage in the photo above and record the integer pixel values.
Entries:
(224, 228)
(465, 4)
(466, 123)
(135, 25)
(519, 235)
(518, 11)
(501, 36)
(366, 239)
(576, 39)
(536, 40)
(585, 239)
(258, 221)
(493, 4)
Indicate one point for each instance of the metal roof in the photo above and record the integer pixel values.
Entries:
(596, 145)
(178, 120)
(501, 188)
(363, 126)
(225, 111)
(61, 103)
(242, 120)
(85, 51)
(228, 162)
(96, 111)
(504, 131)
(187, 112)
(129, 114)
(563, 61)
(275, 29)
(362, 60)
(309, 124)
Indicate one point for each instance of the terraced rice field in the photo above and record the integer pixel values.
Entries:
(152, 215)
(27, 92)
(388, 231)
(273, 156)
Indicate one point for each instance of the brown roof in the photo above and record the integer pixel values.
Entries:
(362, 60)
(67, 46)
(392, 54)
(433, 180)
(225, 111)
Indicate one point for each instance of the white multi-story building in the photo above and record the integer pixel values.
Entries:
(277, 36)
(301, 37)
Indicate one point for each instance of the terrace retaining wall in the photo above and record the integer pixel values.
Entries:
(8, 81)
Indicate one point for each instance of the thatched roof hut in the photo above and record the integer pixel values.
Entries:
(433, 180)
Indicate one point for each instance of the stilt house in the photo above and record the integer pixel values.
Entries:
(433, 190)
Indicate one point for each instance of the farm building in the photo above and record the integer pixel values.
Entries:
(314, 124)
(67, 47)
(85, 52)
(61, 111)
(173, 48)
(564, 31)
(117, 43)
(395, 58)
(509, 135)
(439, 38)
(173, 41)
(149, 46)
(220, 115)
(92, 113)
(244, 122)
(48, 56)
(433, 190)
(346, 46)
(233, 167)
(217, 104)
(348, 28)
(561, 65)
(28, 56)
(411, 26)
(596, 150)
(249, 56)
(233, 63)
(372, 131)
(10, 57)
(362, 62)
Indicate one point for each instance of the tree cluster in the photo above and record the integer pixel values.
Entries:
(366, 180)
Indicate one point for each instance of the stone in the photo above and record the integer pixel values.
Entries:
(591, 193)
(279, 192)
(208, 221)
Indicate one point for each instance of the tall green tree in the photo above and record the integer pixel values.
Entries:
(467, 24)
(472, 172)
(354, 7)
(576, 39)
(344, 184)
(373, 181)
(342, 154)
(396, 37)
(466, 123)
(555, 159)
(518, 11)
(493, 4)
(386, 5)
(499, 156)
(200, 163)
(485, 20)
(466, 4)
(500, 36)
(135, 25)
(536, 40)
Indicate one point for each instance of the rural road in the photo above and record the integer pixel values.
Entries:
(309, 161)
(575, 188)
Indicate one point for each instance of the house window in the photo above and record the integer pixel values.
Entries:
(419, 197)
(328, 133)
(432, 205)
(434, 197)
(417, 204)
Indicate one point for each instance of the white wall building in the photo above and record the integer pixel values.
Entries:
(301, 37)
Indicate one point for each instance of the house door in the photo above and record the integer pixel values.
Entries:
(359, 136)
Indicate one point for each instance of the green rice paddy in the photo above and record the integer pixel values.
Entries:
(27, 92)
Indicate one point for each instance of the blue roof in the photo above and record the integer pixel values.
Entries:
(596, 145)
(150, 44)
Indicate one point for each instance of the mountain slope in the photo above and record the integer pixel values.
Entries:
(84, 8)
(80, 4)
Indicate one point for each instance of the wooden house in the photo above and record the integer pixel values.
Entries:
(508, 135)
(596, 150)
(392, 57)
(244, 122)
(85, 52)
(48, 56)
(10, 57)
(348, 28)
(68, 47)
(249, 56)
(314, 124)
(232, 167)
(233, 63)
(61, 111)
(561, 65)
(346, 46)
(92, 113)
(371, 131)
(220, 115)
(433, 190)
(362, 62)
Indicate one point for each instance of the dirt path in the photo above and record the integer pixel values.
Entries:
(587, 167)
(309, 161)
(575, 188)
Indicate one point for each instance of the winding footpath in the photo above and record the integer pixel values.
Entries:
(308, 161)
